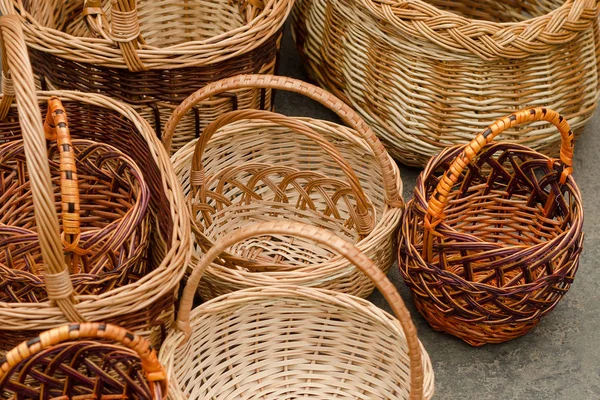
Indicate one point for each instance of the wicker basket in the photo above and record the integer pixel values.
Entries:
(289, 342)
(88, 360)
(145, 305)
(254, 165)
(430, 74)
(152, 54)
(491, 246)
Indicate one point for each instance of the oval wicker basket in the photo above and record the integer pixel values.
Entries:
(427, 74)
(145, 305)
(289, 342)
(491, 246)
(87, 360)
(253, 165)
(152, 54)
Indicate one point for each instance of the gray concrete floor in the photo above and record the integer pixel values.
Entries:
(560, 358)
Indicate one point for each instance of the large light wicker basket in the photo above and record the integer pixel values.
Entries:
(427, 74)
(289, 342)
(152, 54)
(255, 165)
(491, 241)
(145, 305)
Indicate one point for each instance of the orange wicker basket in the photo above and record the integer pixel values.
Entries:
(492, 245)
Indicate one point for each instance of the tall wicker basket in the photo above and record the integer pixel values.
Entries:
(146, 304)
(427, 74)
(152, 54)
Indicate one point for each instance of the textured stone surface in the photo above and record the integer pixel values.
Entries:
(560, 358)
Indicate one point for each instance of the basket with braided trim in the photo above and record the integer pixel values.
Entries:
(145, 303)
(491, 241)
(152, 54)
(83, 361)
(427, 74)
(256, 165)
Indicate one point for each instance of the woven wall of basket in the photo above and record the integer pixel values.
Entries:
(87, 360)
(152, 54)
(256, 165)
(290, 342)
(63, 290)
(491, 241)
(430, 74)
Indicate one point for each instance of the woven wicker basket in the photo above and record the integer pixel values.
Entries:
(253, 165)
(289, 342)
(430, 74)
(146, 304)
(88, 360)
(152, 54)
(491, 246)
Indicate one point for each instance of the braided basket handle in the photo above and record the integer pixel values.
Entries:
(328, 240)
(154, 371)
(349, 116)
(439, 199)
(125, 28)
(16, 60)
(366, 219)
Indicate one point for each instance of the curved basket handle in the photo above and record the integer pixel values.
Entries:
(125, 28)
(349, 116)
(153, 370)
(56, 274)
(365, 219)
(328, 240)
(439, 199)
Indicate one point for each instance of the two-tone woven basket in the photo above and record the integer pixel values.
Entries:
(144, 305)
(152, 54)
(290, 342)
(256, 165)
(491, 241)
(427, 74)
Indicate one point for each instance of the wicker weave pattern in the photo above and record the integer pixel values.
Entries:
(431, 74)
(490, 250)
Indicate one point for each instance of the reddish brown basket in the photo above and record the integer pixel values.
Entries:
(82, 361)
(491, 246)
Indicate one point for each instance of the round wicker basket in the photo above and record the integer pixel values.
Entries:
(254, 165)
(289, 342)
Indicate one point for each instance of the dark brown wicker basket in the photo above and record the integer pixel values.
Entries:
(492, 245)
(83, 361)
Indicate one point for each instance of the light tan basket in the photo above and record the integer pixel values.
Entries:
(289, 342)
(427, 74)
(146, 305)
(254, 165)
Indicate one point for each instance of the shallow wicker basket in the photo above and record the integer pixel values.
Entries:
(87, 360)
(145, 305)
(254, 165)
(427, 74)
(289, 342)
(152, 54)
(491, 246)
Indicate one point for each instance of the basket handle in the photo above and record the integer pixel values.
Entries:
(155, 374)
(18, 68)
(439, 199)
(125, 28)
(349, 116)
(328, 240)
(365, 219)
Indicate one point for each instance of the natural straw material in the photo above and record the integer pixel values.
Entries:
(492, 245)
(289, 342)
(103, 220)
(255, 165)
(430, 74)
(152, 54)
(143, 305)
(87, 360)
